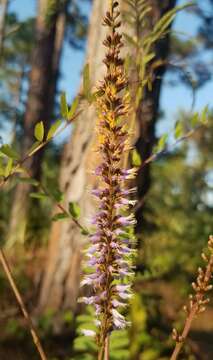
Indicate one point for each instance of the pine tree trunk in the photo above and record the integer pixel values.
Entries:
(60, 287)
(3, 13)
(149, 111)
(40, 103)
(61, 280)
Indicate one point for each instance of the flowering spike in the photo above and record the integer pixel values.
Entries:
(110, 253)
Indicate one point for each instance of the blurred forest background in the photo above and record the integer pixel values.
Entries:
(44, 45)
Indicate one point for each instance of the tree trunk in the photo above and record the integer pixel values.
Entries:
(41, 98)
(3, 13)
(60, 286)
(61, 280)
(148, 112)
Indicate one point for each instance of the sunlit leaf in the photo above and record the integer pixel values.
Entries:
(74, 210)
(34, 147)
(136, 158)
(194, 119)
(204, 115)
(73, 108)
(86, 82)
(161, 144)
(39, 131)
(9, 152)
(148, 58)
(63, 105)
(8, 168)
(178, 130)
(53, 129)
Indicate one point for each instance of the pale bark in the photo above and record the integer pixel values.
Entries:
(61, 279)
(3, 13)
(43, 80)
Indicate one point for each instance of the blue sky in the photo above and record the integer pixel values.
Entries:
(172, 99)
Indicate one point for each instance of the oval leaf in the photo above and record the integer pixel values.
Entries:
(9, 152)
(37, 195)
(8, 168)
(74, 210)
(39, 131)
(53, 129)
(73, 108)
(178, 130)
(136, 159)
(60, 216)
(64, 106)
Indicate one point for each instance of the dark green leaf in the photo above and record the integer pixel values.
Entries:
(60, 216)
(9, 151)
(37, 195)
(56, 194)
(27, 180)
(74, 210)
(85, 232)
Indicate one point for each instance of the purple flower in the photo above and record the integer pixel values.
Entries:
(118, 320)
(126, 220)
(110, 252)
(88, 332)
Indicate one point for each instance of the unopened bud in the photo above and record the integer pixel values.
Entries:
(204, 257)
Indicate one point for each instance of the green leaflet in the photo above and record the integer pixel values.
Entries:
(136, 158)
(73, 108)
(64, 106)
(53, 129)
(39, 131)
(9, 152)
(60, 216)
(74, 210)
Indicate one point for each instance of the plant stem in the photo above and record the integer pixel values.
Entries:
(20, 302)
(101, 353)
(185, 332)
(106, 350)
(202, 287)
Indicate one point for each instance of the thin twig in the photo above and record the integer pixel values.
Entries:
(40, 146)
(20, 302)
(59, 205)
(197, 302)
(164, 151)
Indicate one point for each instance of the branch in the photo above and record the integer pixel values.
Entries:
(197, 301)
(20, 302)
(164, 151)
(59, 205)
(33, 152)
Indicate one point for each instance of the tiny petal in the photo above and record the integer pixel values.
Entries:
(126, 220)
(88, 332)
(122, 287)
(116, 303)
